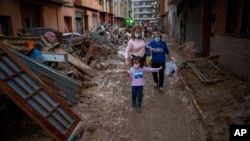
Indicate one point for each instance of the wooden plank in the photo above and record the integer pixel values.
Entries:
(112, 52)
(19, 38)
(88, 54)
(78, 63)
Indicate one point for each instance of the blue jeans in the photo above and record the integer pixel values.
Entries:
(137, 93)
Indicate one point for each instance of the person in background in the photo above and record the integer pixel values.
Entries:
(136, 45)
(136, 73)
(159, 51)
(34, 53)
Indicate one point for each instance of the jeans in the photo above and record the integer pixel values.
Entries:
(159, 80)
(137, 93)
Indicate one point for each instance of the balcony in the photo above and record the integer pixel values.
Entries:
(111, 10)
(149, 18)
(91, 4)
(174, 2)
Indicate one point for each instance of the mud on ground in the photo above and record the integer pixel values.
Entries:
(220, 104)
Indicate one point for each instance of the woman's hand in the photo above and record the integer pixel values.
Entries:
(153, 49)
(161, 67)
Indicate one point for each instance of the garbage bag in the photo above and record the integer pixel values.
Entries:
(170, 69)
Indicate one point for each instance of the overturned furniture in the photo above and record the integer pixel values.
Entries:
(64, 86)
(36, 99)
(206, 70)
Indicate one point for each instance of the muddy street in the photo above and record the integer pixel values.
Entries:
(108, 113)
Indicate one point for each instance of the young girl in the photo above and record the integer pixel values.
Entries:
(137, 83)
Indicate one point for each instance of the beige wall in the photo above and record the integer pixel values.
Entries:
(54, 17)
(68, 12)
(12, 12)
(50, 17)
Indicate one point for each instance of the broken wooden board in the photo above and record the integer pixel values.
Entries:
(16, 38)
(36, 99)
(68, 85)
(88, 54)
(78, 63)
(111, 51)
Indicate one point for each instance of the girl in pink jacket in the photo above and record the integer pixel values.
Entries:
(136, 74)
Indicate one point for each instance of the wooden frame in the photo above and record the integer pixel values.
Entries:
(35, 98)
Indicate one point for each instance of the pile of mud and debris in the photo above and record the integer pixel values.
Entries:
(220, 97)
(45, 76)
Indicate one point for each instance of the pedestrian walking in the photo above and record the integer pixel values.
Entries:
(136, 73)
(159, 51)
(136, 45)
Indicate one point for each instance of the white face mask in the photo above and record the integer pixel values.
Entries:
(137, 35)
(136, 66)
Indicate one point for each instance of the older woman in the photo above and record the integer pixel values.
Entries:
(159, 51)
(136, 45)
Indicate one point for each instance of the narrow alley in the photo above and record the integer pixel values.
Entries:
(108, 114)
(64, 70)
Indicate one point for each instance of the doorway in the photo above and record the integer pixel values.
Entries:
(86, 23)
(5, 25)
(79, 23)
(68, 24)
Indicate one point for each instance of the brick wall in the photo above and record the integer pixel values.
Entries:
(234, 54)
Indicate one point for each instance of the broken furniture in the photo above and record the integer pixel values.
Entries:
(36, 99)
(206, 70)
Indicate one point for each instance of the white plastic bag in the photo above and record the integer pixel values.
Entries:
(170, 69)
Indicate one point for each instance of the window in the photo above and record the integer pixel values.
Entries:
(245, 24)
(238, 10)
(137, 10)
(137, 3)
(232, 9)
(137, 16)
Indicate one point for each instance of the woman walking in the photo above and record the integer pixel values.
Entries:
(159, 51)
(136, 45)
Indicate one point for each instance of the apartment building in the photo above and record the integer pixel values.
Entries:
(145, 12)
(107, 12)
(17, 14)
(122, 10)
(87, 14)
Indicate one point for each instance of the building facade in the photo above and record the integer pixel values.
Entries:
(219, 28)
(122, 11)
(87, 14)
(62, 15)
(24, 14)
(107, 13)
(144, 12)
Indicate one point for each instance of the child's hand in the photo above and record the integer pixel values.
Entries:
(124, 72)
(161, 67)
